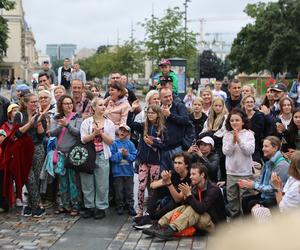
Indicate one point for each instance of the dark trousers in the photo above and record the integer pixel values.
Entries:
(3, 201)
(124, 190)
(248, 202)
(160, 203)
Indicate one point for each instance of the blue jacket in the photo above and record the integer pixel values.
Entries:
(147, 154)
(122, 166)
(276, 164)
(294, 90)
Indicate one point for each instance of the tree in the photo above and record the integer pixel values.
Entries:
(7, 5)
(272, 42)
(211, 66)
(165, 37)
(126, 59)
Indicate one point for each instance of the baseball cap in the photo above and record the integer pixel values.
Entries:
(164, 62)
(165, 79)
(124, 126)
(207, 140)
(2, 132)
(280, 87)
(11, 107)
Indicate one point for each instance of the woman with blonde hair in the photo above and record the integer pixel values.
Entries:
(207, 96)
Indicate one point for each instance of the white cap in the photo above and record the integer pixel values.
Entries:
(208, 140)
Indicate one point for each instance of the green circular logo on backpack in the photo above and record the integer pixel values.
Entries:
(78, 155)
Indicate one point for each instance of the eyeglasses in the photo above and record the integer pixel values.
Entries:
(43, 97)
(67, 103)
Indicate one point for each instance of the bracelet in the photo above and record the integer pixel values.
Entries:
(169, 184)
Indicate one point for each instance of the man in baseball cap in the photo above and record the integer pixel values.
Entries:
(165, 67)
(279, 90)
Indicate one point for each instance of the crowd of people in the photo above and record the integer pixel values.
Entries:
(203, 159)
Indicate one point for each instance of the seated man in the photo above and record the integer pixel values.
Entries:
(203, 207)
(166, 194)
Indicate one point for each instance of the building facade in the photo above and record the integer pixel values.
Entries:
(21, 55)
(60, 51)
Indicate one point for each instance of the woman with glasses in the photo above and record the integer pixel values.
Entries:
(68, 123)
(33, 123)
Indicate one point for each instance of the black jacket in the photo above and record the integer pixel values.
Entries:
(211, 202)
(4, 103)
(230, 104)
(175, 124)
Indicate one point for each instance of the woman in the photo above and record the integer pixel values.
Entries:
(238, 148)
(45, 103)
(286, 105)
(276, 164)
(34, 124)
(68, 123)
(207, 97)
(95, 90)
(291, 136)
(101, 131)
(288, 195)
(198, 117)
(268, 100)
(117, 104)
(257, 124)
(58, 92)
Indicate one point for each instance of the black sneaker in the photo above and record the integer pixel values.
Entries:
(150, 231)
(38, 212)
(165, 233)
(88, 213)
(131, 211)
(27, 211)
(99, 214)
(144, 223)
(120, 211)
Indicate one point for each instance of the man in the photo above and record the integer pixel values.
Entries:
(83, 106)
(167, 82)
(166, 190)
(225, 85)
(203, 152)
(44, 79)
(50, 72)
(218, 92)
(279, 90)
(235, 95)
(165, 67)
(203, 207)
(177, 119)
(64, 75)
(78, 74)
(116, 77)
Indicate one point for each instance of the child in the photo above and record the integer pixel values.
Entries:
(149, 149)
(123, 153)
(165, 67)
(197, 116)
(11, 112)
(238, 147)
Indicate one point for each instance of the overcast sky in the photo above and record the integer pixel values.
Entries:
(90, 23)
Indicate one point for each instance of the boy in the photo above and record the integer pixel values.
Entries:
(165, 67)
(123, 153)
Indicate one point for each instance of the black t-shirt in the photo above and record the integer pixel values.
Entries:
(65, 77)
(198, 123)
(175, 179)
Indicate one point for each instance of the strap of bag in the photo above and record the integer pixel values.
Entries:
(61, 136)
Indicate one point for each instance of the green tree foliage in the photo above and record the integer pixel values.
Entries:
(272, 42)
(165, 38)
(126, 59)
(211, 66)
(7, 5)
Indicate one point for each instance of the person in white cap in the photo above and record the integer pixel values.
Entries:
(203, 151)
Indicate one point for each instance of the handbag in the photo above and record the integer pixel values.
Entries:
(61, 136)
(82, 157)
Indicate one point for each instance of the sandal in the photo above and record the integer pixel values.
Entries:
(74, 212)
(61, 211)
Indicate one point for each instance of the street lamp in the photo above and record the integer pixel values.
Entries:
(185, 23)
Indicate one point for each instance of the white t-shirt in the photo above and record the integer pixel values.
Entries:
(220, 93)
(291, 198)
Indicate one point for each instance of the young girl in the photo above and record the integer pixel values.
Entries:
(149, 149)
(197, 116)
(238, 147)
(215, 126)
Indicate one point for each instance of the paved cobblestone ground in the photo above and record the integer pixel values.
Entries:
(18, 232)
(128, 238)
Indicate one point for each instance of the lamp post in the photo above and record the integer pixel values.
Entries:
(185, 23)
